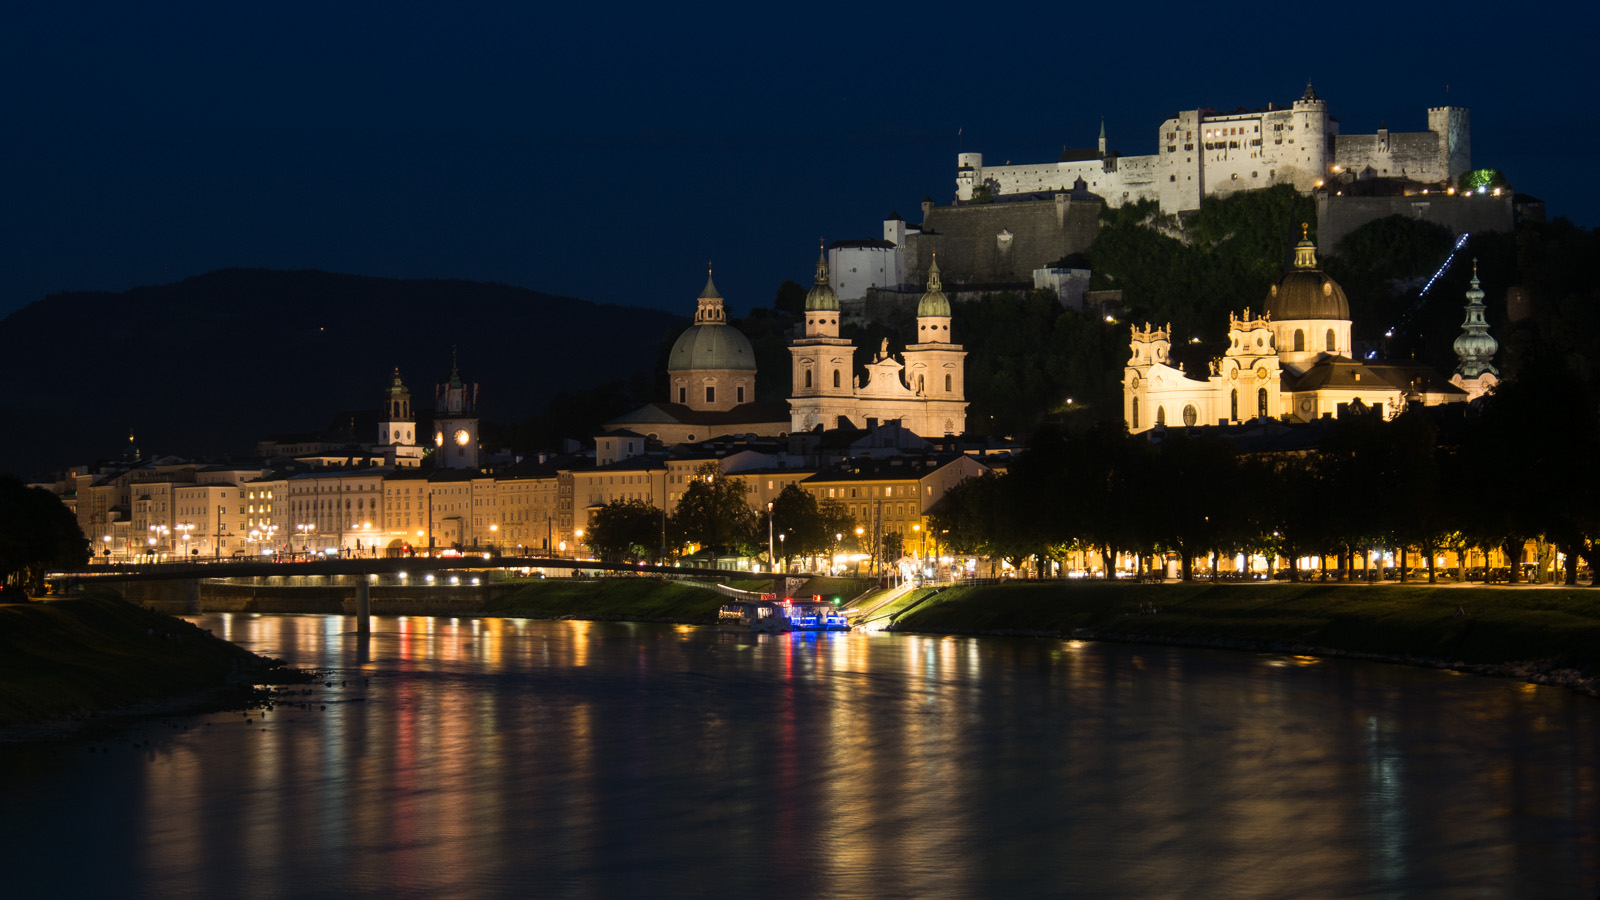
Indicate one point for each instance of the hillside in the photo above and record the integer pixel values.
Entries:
(212, 363)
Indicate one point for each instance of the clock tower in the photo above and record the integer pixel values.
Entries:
(455, 422)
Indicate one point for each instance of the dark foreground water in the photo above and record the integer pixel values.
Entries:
(488, 758)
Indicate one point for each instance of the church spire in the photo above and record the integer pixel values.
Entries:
(1102, 137)
(708, 310)
(1475, 347)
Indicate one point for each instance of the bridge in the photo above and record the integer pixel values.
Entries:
(360, 571)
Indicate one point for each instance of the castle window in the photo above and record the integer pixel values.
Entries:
(835, 377)
(1333, 343)
(1299, 341)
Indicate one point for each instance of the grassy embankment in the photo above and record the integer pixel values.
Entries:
(70, 658)
(636, 599)
(1501, 626)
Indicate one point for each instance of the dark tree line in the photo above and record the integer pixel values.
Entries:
(37, 533)
(1424, 482)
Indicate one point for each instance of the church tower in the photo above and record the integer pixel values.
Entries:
(455, 422)
(823, 364)
(397, 426)
(1475, 347)
(936, 366)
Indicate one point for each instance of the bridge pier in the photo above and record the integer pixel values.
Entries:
(191, 597)
(363, 606)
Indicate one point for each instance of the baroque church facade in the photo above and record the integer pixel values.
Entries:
(1294, 363)
(711, 376)
(925, 389)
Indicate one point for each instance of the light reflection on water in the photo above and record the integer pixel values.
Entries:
(467, 757)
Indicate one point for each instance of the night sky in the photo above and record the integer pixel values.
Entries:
(607, 151)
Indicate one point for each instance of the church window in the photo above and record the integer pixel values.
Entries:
(1233, 410)
(1161, 417)
(1333, 343)
(711, 393)
(947, 383)
(808, 378)
(1190, 415)
(1261, 403)
(1299, 340)
(740, 392)
(683, 395)
(1135, 416)
(835, 377)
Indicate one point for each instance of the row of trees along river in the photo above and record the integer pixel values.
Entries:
(1520, 468)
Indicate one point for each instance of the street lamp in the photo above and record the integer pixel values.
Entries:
(577, 543)
(781, 538)
(859, 532)
(834, 556)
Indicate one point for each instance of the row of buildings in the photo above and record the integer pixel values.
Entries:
(857, 440)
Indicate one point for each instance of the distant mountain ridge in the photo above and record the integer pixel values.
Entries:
(212, 363)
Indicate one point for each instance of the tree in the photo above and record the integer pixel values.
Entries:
(791, 298)
(626, 529)
(37, 533)
(713, 512)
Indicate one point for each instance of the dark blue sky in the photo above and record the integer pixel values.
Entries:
(606, 151)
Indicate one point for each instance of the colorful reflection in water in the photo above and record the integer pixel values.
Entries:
(467, 757)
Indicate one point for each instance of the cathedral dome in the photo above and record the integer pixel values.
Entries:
(821, 297)
(711, 343)
(933, 303)
(1306, 292)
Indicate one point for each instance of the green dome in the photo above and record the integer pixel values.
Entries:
(711, 347)
(933, 303)
(821, 297)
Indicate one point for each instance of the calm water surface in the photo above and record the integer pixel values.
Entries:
(503, 758)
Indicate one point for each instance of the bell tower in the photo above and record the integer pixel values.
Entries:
(455, 422)
(397, 426)
(823, 371)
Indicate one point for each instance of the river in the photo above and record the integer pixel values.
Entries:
(510, 758)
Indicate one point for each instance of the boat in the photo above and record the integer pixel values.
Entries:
(769, 615)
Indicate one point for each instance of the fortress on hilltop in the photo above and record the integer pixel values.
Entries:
(1205, 153)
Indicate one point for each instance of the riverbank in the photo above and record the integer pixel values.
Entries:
(65, 662)
(611, 599)
(1543, 635)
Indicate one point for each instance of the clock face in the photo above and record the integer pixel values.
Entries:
(438, 439)
(462, 437)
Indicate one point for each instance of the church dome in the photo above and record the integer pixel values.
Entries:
(933, 303)
(821, 297)
(1306, 292)
(711, 343)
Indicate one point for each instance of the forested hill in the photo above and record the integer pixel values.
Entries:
(213, 363)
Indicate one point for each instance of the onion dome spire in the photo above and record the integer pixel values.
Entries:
(1311, 92)
(822, 297)
(1475, 347)
(933, 302)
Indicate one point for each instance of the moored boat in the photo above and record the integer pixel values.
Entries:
(771, 616)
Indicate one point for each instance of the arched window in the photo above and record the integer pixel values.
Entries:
(835, 377)
(1299, 340)
(947, 387)
(1134, 417)
(1261, 403)
(808, 378)
(1233, 411)
(1161, 417)
(1333, 342)
(920, 384)
(1190, 415)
